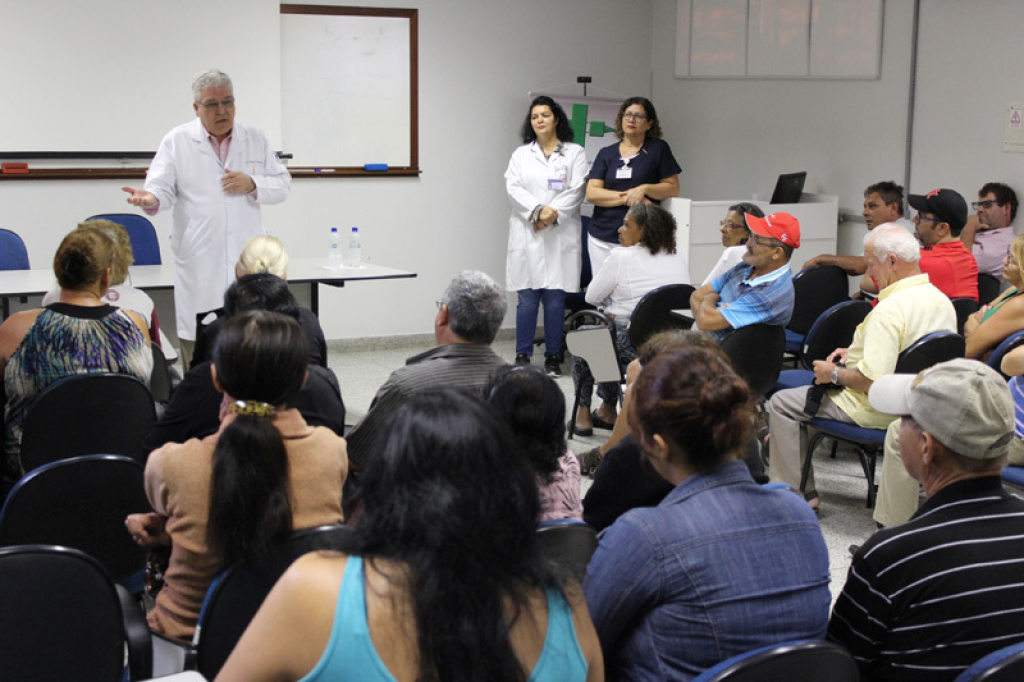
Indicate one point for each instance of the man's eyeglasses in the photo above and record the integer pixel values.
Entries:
(934, 219)
(985, 204)
(211, 105)
(770, 243)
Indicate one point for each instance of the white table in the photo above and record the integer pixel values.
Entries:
(154, 277)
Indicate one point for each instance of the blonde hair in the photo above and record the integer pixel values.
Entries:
(123, 256)
(263, 255)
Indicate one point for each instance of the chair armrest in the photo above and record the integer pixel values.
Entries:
(171, 656)
(138, 636)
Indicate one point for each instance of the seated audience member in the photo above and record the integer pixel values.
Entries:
(442, 581)
(987, 328)
(123, 295)
(883, 203)
(233, 495)
(195, 407)
(735, 235)
(470, 315)
(262, 255)
(926, 599)
(988, 234)
(624, 479)
(533, 406)
(677, 588)
(1013, 366)
(79, 334)
(645, 260)
(908, 308)
(760, 289)
(941, 215)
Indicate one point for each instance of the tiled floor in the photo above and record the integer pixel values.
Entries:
(844, 518)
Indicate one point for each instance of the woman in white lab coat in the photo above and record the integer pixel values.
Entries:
(545, 179)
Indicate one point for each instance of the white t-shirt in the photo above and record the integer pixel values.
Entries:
(629, 273)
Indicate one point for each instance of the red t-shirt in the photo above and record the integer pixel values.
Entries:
(952, 269)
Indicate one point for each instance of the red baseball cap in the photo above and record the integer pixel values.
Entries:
(781, 226)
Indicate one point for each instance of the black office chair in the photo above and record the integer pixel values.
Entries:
(988, 288)
(568, 544)
(810, 661)
(964, 307)
(237, 594)
(141, 233)
(597, 347)
(81, 503)
(1004, 665)
(64, 619)
(653, 313)
(88, 414)
(929, 350)
(833, 329)
(995, 360)
(756, 355)
(816, 289)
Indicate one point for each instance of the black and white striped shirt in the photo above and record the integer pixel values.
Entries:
(926, 599)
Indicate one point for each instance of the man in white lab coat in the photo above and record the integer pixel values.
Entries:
(215, 172)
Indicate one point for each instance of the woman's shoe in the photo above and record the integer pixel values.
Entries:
(578, 431)
(600, 423)
(590, 460)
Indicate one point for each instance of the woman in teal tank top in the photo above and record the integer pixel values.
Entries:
(986, 329)
(443, 580)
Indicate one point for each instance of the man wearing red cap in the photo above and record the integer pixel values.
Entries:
(758, 290)
(909, 307)
(950, 266)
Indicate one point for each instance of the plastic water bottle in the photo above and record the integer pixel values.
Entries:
(355, 247)
(334, 250)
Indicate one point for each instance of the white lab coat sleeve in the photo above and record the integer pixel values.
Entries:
(522, 200)
(161, 178)
(273, 186)
(569, 199)
(603, 283)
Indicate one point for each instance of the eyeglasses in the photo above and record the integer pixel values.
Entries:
(985, 204)
(770, 243)
(634, 116)
(211, 105)
(732, 226)
(921, 216)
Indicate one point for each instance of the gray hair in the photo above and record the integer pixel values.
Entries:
(213, 78)
(890, 238)
(476, 306)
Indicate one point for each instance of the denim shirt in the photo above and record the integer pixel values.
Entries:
(720, 567)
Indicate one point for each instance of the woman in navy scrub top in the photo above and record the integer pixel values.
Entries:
(640, 168)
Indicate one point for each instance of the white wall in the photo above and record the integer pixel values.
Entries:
(478, 61)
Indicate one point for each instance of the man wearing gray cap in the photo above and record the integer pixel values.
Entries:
(926, 599)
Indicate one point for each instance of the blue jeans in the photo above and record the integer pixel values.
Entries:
(526, 320)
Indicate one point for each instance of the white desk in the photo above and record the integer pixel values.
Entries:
(154, 277)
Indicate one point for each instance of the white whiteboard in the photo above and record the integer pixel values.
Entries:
(116, 75)
(346, 89)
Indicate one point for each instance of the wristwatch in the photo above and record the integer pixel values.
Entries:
(835, 375)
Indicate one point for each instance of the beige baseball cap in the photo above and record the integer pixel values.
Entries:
(964, 404)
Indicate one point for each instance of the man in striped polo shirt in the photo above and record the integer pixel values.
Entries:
(926, 599)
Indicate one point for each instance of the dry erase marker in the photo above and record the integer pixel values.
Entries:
(375, 167)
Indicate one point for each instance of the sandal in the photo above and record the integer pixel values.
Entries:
(578, 431)
(600, 423)
(590, 460)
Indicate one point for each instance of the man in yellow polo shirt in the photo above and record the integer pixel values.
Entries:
(909, 307)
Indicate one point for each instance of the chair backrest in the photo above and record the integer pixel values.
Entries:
(833, 329)
(1004, 665)
(88, 414)
(929, 350)
(13, 254)
(792, 662)
(756, 355)
(239, 591)
(995, 360)
(816, 289)
(988, 288)
(596, 346)
(653, 313)
(61, 616)
(964, 307)
(80, 503)
(145, 245)
(569, 544)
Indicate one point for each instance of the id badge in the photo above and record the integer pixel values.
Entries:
(624, 173)
(556, 184)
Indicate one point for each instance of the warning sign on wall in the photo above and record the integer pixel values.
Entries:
(1013, 132)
